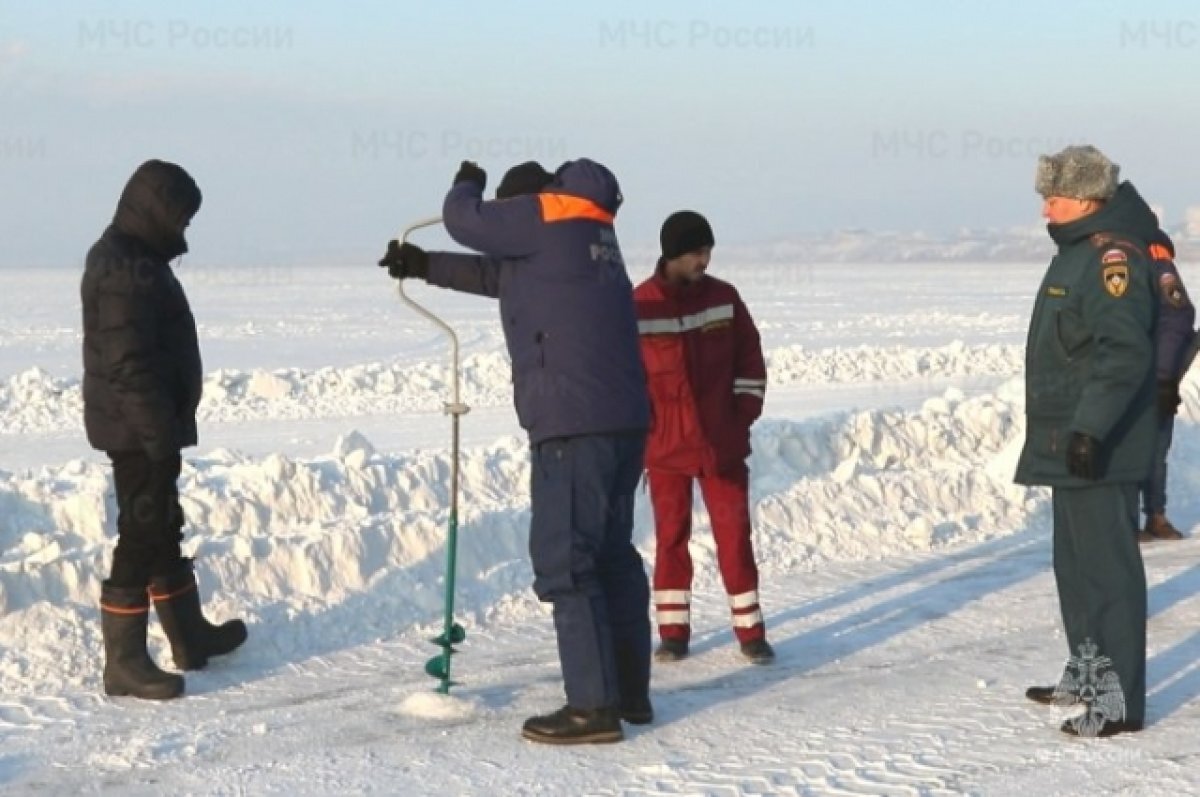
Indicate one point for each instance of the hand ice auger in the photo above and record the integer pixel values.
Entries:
(452, 632)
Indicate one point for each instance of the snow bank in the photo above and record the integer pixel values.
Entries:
(33, 401)
(794, 364)
(884, 483)
(277, 534)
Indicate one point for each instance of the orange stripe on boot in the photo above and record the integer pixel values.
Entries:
(124, 609)
(185, 589)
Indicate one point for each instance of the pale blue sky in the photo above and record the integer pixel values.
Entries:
(316, 129)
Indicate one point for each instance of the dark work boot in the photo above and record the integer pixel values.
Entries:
(128, 669)
(758, 651)
(1041, 694)
(193, 638)
(575, 726)
(1050, 696)
(1159, 528)
(671, 650)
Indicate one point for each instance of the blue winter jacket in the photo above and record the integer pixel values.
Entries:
(566, 302)
(1176, 313)
(1174, 334)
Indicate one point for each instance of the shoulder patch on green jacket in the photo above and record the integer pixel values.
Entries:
(1114, 255)
(1116, 276)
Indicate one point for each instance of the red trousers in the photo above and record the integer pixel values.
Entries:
(726, 496)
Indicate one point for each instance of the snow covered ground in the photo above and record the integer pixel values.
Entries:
(906, 580)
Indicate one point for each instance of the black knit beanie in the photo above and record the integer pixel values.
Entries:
(524, 178)
(683, 232)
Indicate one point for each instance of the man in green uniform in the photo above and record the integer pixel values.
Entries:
(1091, 429)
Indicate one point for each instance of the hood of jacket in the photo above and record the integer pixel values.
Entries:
(156, 206)
(588, 180)
(1126, 214)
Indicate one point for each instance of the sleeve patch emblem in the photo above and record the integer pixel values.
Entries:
(1172, 291)
(1116, 279)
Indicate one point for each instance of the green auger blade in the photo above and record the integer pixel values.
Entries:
(436, 667)
(455, 635)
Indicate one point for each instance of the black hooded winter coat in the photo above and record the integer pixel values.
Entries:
(141, 359)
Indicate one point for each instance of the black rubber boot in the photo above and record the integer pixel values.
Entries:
(575, 726)
(128, 669)
(193, 638)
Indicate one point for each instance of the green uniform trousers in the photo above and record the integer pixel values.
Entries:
(1101, 581)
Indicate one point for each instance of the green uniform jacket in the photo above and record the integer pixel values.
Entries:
(1089, 358)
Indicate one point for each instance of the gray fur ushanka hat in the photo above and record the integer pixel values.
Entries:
(1078, 172)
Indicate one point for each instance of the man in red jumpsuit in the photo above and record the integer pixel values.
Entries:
(707, 380)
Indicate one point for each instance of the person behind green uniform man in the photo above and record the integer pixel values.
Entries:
(1091, 429)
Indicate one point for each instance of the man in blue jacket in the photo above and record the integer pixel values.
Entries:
(549, 253)
(1176, 322)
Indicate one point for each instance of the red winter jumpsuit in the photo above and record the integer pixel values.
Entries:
(707, 380)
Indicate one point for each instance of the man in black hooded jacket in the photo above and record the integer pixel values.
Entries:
(141, 386)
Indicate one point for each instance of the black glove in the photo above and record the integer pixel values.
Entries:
(470, 170)
(1168, 398)
(403, 260)
(1083, 456)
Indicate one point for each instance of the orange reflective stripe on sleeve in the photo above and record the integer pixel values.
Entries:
(1160, 252)
(561, 207)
